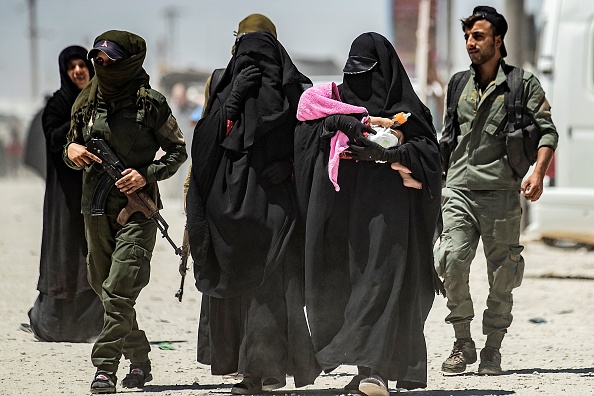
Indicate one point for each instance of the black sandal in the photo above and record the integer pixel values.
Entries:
(249, 386)
(139, 374)
(270, 384)
(104, 382)
(353, 386)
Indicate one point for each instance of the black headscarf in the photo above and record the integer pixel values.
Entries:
(68, 88)
(375, 79)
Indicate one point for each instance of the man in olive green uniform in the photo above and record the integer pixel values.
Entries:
(481, 197)
(136, 121)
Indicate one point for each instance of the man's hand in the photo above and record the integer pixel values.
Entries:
(79, 155)
(131, 181)
(532, 187)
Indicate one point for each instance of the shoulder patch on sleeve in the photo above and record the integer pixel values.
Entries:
(172, 131)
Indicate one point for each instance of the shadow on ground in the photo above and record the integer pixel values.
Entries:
(587, 371)
(225, 389)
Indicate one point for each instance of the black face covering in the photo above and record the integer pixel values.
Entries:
(123, 79)
(375, 79)
(359, 64)
(268, 109)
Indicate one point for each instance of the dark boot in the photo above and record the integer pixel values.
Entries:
(490, 361)
(463, 353)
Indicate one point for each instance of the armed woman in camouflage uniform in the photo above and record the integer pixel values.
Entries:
(119, 106)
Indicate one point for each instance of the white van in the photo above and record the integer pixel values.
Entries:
(566, 70)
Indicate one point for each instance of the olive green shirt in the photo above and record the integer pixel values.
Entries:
(479, 160)
(136, 137)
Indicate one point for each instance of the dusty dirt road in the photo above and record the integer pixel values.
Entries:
(554, 356)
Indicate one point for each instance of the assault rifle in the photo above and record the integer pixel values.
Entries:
(138, 201)
(183, 263)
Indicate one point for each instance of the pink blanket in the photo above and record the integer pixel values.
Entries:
(321, 101)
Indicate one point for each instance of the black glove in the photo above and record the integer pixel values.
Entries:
(278, 171)
(371, 151)
(349, 125)
(244, 81)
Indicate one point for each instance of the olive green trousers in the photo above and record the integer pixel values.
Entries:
(494, 217)
(118, 269)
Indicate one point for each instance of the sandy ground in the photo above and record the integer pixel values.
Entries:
(553, 357)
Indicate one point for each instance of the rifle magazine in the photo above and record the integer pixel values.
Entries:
(100, 194)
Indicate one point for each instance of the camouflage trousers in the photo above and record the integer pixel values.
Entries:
(494, 217)
(118, 269)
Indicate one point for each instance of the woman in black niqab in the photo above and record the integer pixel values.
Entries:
(368, 253)
(241, 223)
(374, 78)
(67, 309)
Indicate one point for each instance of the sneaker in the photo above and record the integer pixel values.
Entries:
(490, 361)
(138, 375)
(463, 353)
(104, 382)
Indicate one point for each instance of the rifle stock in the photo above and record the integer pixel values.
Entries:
(138, 201)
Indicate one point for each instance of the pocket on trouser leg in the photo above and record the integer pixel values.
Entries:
(452, 259)
(130, 270)
(516, 257)
(439, 255)
(446, 257)
(93, 277)
(510, 274)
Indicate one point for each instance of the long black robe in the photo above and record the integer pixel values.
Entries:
(35, 157)
(67, 309)
(368, 252)
(242, 226)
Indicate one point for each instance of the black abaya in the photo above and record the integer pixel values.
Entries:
(242, 226)
(67, 309)
(368, 251)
